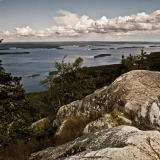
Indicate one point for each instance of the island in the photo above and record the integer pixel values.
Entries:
(102, 55)
(128, 47)
(98, 48)
(82, 45)
(100, 45)
(58, 48)
(3, 53)
(154, 46)
(34, 75)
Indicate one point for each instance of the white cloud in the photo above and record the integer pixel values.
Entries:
(76, 24)
(7, 34)
(140, 22)
(71, 25)
(66, 18)
(26, 31)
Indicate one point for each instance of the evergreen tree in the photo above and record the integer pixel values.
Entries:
(73, 83)
(136, 62)
(15, 111)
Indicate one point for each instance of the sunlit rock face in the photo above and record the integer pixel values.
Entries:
(136, 93)
(118, 143)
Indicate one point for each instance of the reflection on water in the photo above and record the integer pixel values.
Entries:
(40, 61)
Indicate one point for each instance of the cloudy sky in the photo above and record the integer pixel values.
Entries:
(80, 20)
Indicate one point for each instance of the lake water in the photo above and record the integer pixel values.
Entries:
(41, 60)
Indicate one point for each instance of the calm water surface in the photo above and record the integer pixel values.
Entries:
(41, 61)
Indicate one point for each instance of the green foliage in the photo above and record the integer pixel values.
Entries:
(17, 139)
(64, 68)
(154, 61)
(39, 107)
(63, 89)
(137, 62)
(15, 117)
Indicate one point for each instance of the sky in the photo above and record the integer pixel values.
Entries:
(79, 20)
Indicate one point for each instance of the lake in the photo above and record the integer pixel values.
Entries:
(40, 61)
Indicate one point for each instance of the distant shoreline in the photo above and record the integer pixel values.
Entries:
(3, 53)
(58, 45)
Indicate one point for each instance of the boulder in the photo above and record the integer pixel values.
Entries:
(136, 93)
(40, 125)
(89, 107)
(118, 143)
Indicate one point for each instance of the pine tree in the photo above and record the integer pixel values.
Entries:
(134, 62)
(15, 111)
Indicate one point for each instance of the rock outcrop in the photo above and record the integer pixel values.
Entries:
(136, 93)
(90, 106)
(118, 143)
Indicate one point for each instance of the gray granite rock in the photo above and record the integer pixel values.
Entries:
(138, 94)
(118, 143)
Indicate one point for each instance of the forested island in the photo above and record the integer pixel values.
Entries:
(102, 55)
(3, 53)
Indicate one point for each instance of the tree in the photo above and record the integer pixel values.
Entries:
(15, 111)
(137, 62)
(72, 83)
(142, 61)
(128, 63)
(62, 68)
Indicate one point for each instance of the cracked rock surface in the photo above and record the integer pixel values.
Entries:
(117, 143)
